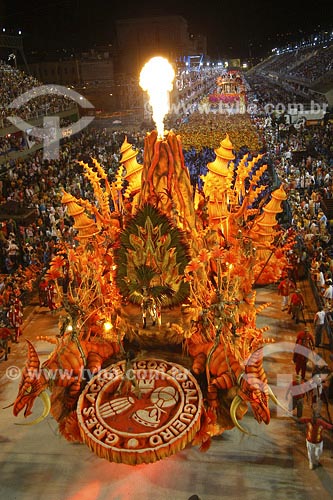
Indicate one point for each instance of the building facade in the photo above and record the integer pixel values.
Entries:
(109, 77)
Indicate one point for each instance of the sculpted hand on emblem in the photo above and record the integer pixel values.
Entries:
(116, 406)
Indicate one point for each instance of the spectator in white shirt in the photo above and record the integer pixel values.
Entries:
(319, 322)
(328, 295)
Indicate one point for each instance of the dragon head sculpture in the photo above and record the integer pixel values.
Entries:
(254, 389)
(33, 384)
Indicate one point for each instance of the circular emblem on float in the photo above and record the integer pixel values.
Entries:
(140, 413)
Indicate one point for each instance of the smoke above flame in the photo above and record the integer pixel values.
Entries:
(156, 78)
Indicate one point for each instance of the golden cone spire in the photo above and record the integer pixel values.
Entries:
(218, 181)
(72, 207)
(263, 232)
(85, 226)
(225, 150)
(133, 168)
(127, 152)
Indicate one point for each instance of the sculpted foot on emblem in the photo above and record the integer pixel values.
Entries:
(149, 417)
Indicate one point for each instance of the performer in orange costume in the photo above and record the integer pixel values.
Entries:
(15, 317)
(50, 296)
(304, 340)
(285, 288)
(296, 304)
(314, 437)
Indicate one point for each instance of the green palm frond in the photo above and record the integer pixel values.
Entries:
(153, 253)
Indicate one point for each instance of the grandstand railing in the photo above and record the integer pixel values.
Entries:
(72, 113)
(36, 119)
(320, 305)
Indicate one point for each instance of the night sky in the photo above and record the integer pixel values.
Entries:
(233, 29)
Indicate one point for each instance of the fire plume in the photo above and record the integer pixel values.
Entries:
(156, 78)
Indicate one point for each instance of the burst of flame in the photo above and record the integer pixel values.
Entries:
(156, 78)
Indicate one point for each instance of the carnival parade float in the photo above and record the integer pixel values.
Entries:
(229, 92)
(158, 346)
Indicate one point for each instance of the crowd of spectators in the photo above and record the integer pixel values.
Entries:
(37, 185)
(13, 83)
(302, 158)
(318, 64)
(309, 63)
(12, 142)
